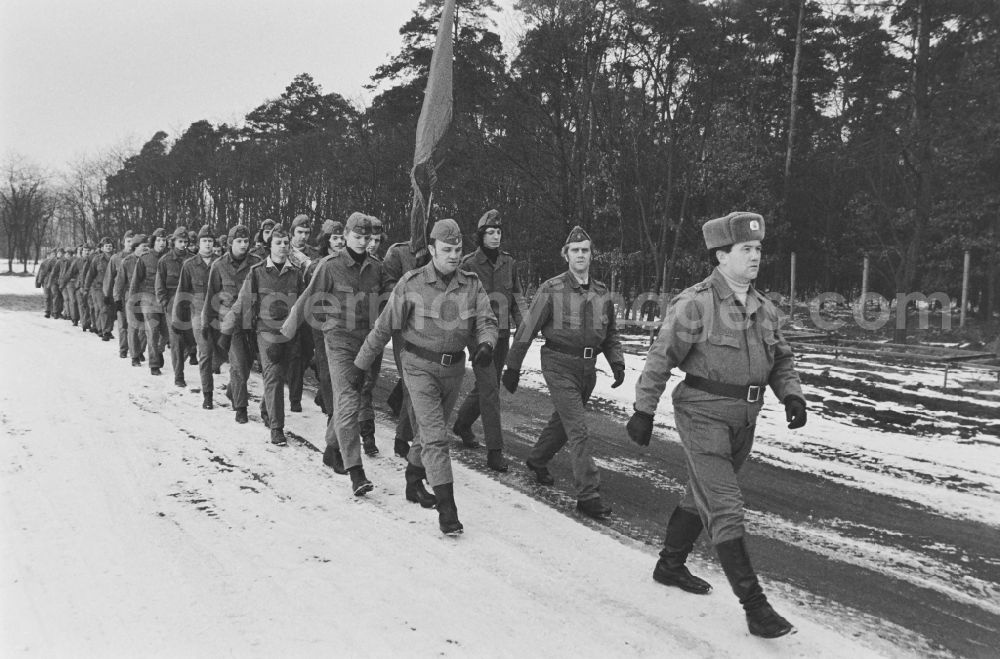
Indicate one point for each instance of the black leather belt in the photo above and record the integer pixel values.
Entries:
(575, 351)
(443, 358)
(750, 393)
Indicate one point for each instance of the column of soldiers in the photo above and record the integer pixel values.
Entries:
(336, 305)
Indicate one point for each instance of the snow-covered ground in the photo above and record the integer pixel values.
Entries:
(136, 524)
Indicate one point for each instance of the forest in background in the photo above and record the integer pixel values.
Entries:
(855, 128)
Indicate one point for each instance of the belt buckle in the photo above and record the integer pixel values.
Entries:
(588, 353)
(753, 393)
(446, 359)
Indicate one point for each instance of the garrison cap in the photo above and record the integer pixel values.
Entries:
(180, 232)
(333, 228)
(137, 240)
(205, 232)
(377, 229)
(490, 218)
(238, 231)
(192, 235)
(158, 233)
(359, 223)
(87, 246)
(577, 235)
(301, 220)
(128, 234)
(447, 231)
(738, 227)
(267, 224)
(106, 240)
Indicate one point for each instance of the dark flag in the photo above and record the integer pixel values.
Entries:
(435, 117)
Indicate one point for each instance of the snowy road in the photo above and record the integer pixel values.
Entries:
(136, 524)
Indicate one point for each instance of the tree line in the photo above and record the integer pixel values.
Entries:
(856, 128)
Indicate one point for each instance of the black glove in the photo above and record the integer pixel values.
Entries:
(795, 412)
(484, 355)
(275, 351)
(224, 341)
(640, 427)
(355, 377)
(619, 370)
(510, 379)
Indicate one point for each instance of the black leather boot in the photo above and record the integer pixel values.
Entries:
(333, 459)
(359, 482)
(401, 447)
(415, 490)
(496, 461)
(762, 620)
(206, 401)
(367, 430)
(447, 510)
(683, 529)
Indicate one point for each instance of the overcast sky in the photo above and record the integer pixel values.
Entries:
(78, 77)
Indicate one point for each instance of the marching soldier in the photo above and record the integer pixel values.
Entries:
(41, 275)
(724, 335)
(343, 299)
(498, 272)
(225, 280)
(438, 310)
(82, 299)
(52, 283)
(269, 291)
(261, 248)
(576, 315)
(400, 259)
(130, 305)
(67, 283)
(366, 415)
(193, 247)
(300, 254)
(94, 284)
(168, 274)
(110, 274)
(189, 301)
(331, 243)
(142, 290)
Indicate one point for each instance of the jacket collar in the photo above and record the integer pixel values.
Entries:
(723, 291)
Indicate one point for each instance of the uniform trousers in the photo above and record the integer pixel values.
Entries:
(156, 335)
(136, 329)
(297, 367)
(367, 411)
(122, 329)
(322, 371)
(206, 351)
(342, 426)
(57, 299)
(240, 361)
(717, 436)
(433, 391)
(178, 345)
(570, 380)
(69, 301)
(83, 304)
(406, 422)
(484, 398)
(275, 374)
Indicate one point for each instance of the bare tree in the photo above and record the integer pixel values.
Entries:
(26, 207)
